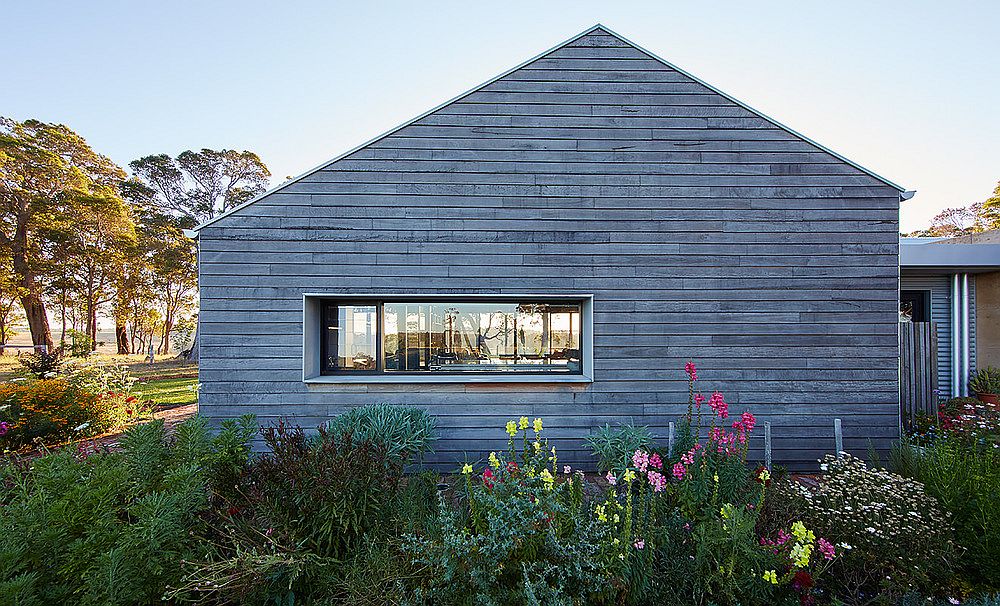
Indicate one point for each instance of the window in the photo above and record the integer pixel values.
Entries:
(452, 337)
(915, 306)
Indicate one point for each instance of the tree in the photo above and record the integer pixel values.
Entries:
(92, 252)
(9, 297)
(45, 170)
(991, 210)
(198, 186)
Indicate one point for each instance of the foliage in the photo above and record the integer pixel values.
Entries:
(986, 380)
(42, 364)
(84, 401)
(403, 431)
(522, 535)
(50, 182)
(314, 517)
(613, 447)
(966, 482)
(893, 536)
(199, 185)
(967, 420)
(94, 527)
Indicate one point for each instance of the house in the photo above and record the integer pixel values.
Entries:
(557, 243)
(950, 290)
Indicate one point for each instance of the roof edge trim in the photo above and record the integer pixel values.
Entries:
(751, 109)
(385, 134)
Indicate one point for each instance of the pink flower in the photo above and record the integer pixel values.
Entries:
(691, 370)
(749, 421)
(488, 477)
(699, 399)
(656, 480)
(826, 548)
(641, 460)
(567, 469)
(4, 428)
(639, 544)
(783, 537)
(718, 404)
(680, 471)
(612, 480)
(655, 461)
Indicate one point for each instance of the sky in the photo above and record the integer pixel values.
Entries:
(908, 89)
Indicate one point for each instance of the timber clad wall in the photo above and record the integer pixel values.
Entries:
(703, 231)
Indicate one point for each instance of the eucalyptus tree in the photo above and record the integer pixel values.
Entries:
(49, 175)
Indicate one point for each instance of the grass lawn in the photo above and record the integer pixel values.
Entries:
(162, 368)
(169, 392)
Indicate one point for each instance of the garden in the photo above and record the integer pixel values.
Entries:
(348, 514)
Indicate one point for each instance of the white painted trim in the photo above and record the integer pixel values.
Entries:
(435, 379)
(519, 66)
(965, 367)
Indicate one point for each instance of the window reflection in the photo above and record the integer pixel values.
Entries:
(481, 337)
(351, 337)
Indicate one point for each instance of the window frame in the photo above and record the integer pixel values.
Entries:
(379, 305)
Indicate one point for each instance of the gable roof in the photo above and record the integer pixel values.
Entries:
(593, 30)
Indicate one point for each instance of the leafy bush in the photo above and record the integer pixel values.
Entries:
(107, 528)
(312, 518)
(966, 482)
(83, 402)
(893, 537)
(963, 419)
(402, 431)
(985, 380)
(613, 447)
(521, 537)
(42, 365)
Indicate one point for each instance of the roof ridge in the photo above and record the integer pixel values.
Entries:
(595, 27)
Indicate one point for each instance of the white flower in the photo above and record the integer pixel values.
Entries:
(82, 426)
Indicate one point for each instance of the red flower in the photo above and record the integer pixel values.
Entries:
(760, 471)
(488, 477)
(802, 581)
(512, 467)
(130, 399)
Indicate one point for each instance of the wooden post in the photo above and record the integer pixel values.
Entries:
(838, 436)
(767, 445)
(670, 439)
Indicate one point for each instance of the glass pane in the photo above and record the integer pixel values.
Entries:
(481, 337)
(351, 337)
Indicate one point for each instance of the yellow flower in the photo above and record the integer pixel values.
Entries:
(537, 445)
(764, 476)
(547, 479)
(494, 461)
(629, 475)
(537, 425)
(522, 423)
(716, 478)
(466, 469)
(601, 515)
(512, 428)
(771, 576)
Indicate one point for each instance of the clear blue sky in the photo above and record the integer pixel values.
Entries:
(909, 89)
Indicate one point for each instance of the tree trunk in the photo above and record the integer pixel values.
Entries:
(121, 336)
(193, 356)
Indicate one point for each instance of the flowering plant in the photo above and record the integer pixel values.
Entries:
(801, 559)
(892, 537)
(523, 533)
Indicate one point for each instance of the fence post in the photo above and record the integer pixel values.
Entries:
(767, 445)
(152, 353)
(838, 436)
(670, 439)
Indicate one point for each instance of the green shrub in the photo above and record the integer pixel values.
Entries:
(42, 364)
(894, 538)
(985, 380)
(402, 431)
(521, 536)
(313, 518)
(81, 402)
(966, 482)
(106, 528)
(613, 447)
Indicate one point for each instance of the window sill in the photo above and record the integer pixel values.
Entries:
(398, 379)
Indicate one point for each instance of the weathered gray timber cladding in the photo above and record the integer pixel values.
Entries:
(703, 231)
